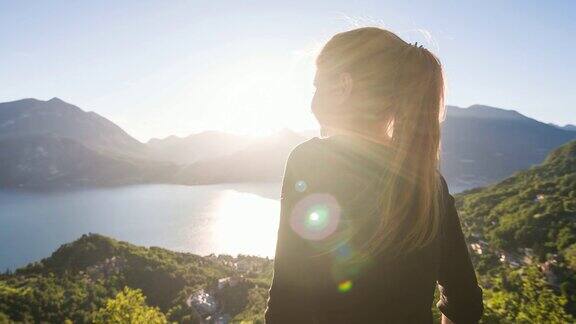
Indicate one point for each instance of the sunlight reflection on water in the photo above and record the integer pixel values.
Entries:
(221, 219)
(245, 223)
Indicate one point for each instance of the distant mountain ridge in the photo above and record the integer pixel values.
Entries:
(484, 112)
(54, 143)
(262, 160)
(189, 149)
(482, 144)
(568, 127)
(36, 117)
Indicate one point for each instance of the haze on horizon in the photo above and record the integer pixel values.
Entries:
(175, 68)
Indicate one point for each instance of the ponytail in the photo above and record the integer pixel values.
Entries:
(410, 202)
(407, 92)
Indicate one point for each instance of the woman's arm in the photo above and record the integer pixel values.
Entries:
(460, 295)
(289, 299)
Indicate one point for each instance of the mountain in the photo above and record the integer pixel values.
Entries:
(35, 161)
(56, 144)
(207, 144)
(535, 208)
(522, 234)
(568, 127)
(482, 144)
(53, 143)
(78, 279)
(263, 160)
(55, 117)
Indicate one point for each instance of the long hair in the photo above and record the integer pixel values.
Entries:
(400, 86)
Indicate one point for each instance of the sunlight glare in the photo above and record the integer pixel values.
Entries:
(246, 222)
(255, 94)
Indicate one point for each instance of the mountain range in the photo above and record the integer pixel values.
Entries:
(482, 144)
(56, 144)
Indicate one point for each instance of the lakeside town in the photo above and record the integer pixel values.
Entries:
(211, 303)
(479, 247)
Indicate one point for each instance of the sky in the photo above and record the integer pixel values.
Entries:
(160, 68)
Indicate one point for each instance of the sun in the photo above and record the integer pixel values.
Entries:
(258, 94)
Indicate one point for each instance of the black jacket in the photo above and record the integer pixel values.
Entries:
(328, 208)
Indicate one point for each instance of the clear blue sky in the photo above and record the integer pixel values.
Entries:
(177, 67)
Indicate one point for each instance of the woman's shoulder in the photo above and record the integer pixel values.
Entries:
(315, 157)
(443, 185)
(309, 143)
(311, 146)
(337, 142)
(352, 153)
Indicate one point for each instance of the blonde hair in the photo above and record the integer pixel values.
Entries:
(400, 86)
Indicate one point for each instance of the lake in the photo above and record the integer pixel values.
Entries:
(220, 219)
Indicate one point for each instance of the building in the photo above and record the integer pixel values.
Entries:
(203, 302)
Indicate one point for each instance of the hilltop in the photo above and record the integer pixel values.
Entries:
(535, 208)
(522, 234)
(77, 279)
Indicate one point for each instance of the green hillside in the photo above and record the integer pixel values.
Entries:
(533, 209)
(77, 280)
(523, 237)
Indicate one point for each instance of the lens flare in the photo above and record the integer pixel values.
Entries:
(300, 186)
(345, 270)
(316, 216)
(347, 264)
(345, 286)
(343, 252)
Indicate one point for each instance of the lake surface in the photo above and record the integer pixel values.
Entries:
(221, 219)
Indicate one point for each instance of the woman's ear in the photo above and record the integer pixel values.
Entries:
(346, 84)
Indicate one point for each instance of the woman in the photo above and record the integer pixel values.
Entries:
(367, 226)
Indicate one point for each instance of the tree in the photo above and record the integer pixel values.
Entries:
(129, 307)
(570, 256)
(527, 300)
